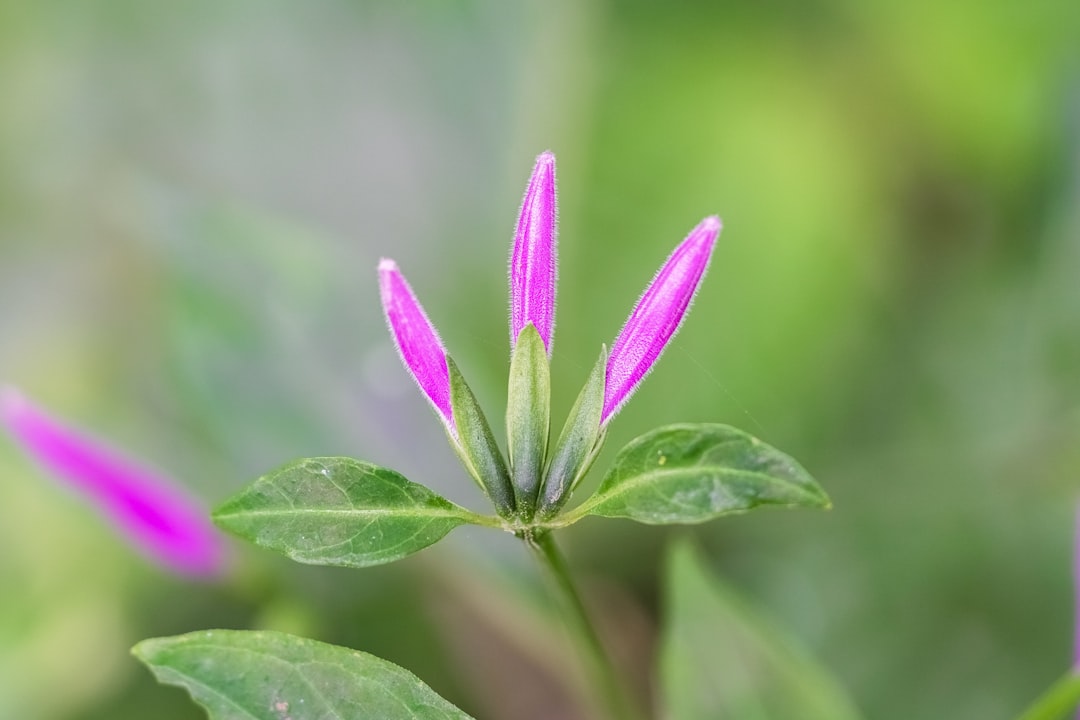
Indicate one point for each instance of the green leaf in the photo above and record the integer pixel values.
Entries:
(528, 416)
(1061, 698)
(691, 473)
(579, 442)
(340, 511)
(721, 659)
(239, 675)
(476, 445)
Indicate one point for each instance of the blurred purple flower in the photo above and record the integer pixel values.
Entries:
(158, 518)
(657, 316)
(533, 260)
(417, 341)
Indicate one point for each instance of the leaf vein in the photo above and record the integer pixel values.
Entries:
(657, 476)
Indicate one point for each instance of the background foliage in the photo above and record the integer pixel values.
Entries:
(193, 199)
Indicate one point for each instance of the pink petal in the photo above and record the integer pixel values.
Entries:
(158, 518)
(657, 316)
(416, 339)
(533, 260)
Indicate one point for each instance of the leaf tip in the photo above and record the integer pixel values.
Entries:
(145, 651)
(821, 498)
(224, 515)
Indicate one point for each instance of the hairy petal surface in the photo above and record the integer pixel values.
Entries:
(416, 339)
(657, 316)
(533, 260)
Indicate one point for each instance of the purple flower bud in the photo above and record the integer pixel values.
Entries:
(419, 345)
(533, 261)
(657, 316)
(157, 517)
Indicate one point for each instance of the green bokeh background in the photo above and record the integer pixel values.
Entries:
(194, 196)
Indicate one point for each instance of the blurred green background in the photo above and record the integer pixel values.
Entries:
(194, 196)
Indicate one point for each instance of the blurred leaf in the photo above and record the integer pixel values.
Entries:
(719, 659)
(1062, 697)
(340, 511)
(690, 473)
(240, 675)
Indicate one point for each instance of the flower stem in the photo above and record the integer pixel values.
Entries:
(617, 703)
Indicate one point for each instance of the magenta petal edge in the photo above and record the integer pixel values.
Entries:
(417, 341)
(657, 316)
(533, 260)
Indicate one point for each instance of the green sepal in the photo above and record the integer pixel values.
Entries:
(340, 511)
(690, 473)
(476, 444)
(528, 417)
(578, 444)
(245, 675)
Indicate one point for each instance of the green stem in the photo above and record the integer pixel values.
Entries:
(618, 704)
(482, 520)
